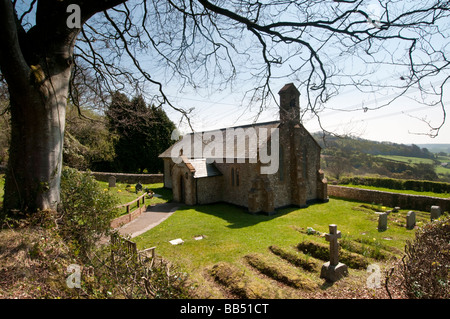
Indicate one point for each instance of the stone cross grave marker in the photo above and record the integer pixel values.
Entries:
(410, 220)
(435, 212)
(332, 237)
(382, 221)
(112, 181)
(333, 270)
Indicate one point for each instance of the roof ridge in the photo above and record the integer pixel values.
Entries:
(239, 126)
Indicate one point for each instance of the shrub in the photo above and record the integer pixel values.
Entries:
(124, 274)
(400, 184)
(86, 210)
(426, 265)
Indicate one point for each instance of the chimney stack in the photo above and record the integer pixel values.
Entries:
(289, 104)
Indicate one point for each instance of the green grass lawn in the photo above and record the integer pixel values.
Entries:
(231, 233)
(126, 193)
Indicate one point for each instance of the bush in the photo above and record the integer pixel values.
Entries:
(399, 184)
(86, 210)
(426, 265)
(121, 273)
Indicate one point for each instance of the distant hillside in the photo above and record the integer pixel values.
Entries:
(353, 144)
(351, 156)
(436, 148)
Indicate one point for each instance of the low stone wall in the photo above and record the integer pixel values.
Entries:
(405, 201)
(129, 178)
(125, 219)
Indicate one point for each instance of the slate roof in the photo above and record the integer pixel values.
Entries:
(203, 169)
(249, 152)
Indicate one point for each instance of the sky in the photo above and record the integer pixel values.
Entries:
(401, 122)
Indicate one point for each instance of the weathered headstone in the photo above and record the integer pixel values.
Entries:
(382, 221)
(112, 181)
(333, 270)
(435, 212)
(138, 187)
(410, 220)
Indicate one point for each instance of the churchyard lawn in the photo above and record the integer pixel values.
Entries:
(259, 256)
(127, 193)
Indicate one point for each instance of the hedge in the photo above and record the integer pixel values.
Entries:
(400, 184)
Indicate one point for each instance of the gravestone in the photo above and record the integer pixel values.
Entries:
(410, 220)
(138, 187)
(333, 270)
(177, 241)
(112, 181)
(382, 221)
(435, 212)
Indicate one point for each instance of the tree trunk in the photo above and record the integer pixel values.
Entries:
(37, 135)
(37, 65)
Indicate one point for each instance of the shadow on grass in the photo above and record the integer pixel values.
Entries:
(164, 193)
(238, 216)
(326, 284)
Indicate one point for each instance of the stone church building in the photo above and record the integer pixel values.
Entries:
(212, 176)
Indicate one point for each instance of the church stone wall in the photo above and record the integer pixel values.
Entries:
(168, 163)
(311, 153)
(209, 189)
(183, 185)
(235, 190)
(298, 180)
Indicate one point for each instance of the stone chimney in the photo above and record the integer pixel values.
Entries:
(289, 104)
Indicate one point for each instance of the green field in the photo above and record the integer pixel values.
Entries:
(232, 236)
(440, 170)
(406, 159)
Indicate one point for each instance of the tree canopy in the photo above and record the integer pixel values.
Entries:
(143, 133)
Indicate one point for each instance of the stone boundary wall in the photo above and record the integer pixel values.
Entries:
(125, 219)
(404, 201)
(129, 178)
